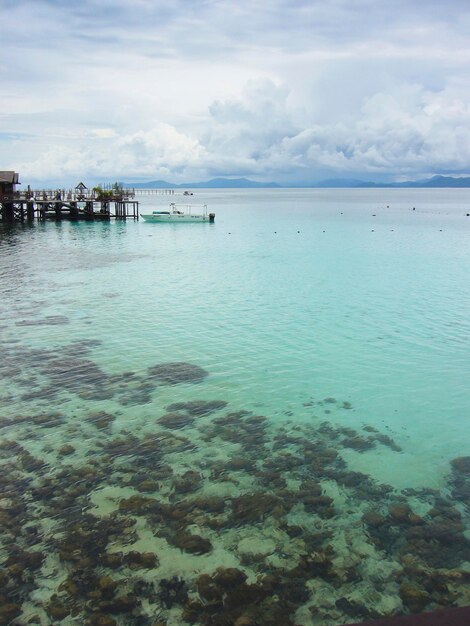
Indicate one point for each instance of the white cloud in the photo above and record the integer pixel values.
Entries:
(278, 90)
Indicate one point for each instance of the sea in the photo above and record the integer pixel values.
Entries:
(261, 420)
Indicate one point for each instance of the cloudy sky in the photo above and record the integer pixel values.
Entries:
(274, 90)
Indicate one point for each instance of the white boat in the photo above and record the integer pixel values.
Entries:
(178, 213)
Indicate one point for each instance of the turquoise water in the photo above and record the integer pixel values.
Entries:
(348, 307)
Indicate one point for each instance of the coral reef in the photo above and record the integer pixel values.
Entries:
(239, 520)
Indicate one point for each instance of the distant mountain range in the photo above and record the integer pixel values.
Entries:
(215, 183)
(245, 183)
(435, 182)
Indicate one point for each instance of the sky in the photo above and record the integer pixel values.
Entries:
(291, 91)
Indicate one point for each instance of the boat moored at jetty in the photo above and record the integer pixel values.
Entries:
(180, 213)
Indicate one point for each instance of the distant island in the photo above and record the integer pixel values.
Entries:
(434, 182)
(215, 183)
(245, 183)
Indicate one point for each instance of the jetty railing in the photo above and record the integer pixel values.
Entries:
(69, 195)
(72, 204)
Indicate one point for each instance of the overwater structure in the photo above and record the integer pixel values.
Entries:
(75, 204)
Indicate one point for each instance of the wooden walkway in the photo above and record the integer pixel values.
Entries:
(60, 205)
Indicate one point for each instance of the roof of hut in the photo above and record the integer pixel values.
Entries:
(8, 176)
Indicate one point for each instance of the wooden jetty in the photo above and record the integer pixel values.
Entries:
(79, 203)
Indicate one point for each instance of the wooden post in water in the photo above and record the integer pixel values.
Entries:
(8, 212)
(30, 211)
(73, 211)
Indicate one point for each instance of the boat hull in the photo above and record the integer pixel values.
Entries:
(175, 219)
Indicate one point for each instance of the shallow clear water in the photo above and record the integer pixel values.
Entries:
(290, 297)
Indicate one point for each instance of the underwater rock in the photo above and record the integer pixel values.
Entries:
(25, 560)
(30, 464)
(176, 373)
(100, 419)
(358, 443)
(242, 595)
(211, 504)
(238, 464)
(317, 563)
(147, 486)
(137, 560)
(242, 428)
(194, 611)
(233, 418)
(8, 612)
(208, 590)
(310, 487)
(321, 505)
(374, 519)
(172, 591)
(170, 442)
(414, 597)
(120, 604)
(293, 531)
(387, 441)
(401, 513)
(271, 479)
(445, 532)
(198, 408)
(139, 505)
(227, 577)
(461, 465)
(66, 450)
(111, 560)
(255, 507)
(228, 600)
(87, 537)
(187, 483)
(130, 446)
(46, 420)
(73, 374)
(193, 544)
(107, 586)
(175, 420)
(56, 610)
(352, 608)
(101, 620)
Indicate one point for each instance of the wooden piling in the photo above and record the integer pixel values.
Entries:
(62, 204)
(30, 211)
